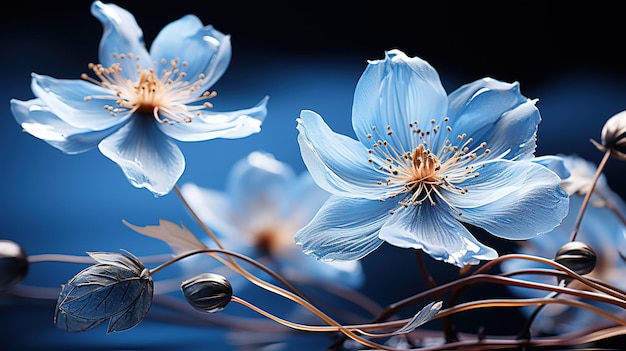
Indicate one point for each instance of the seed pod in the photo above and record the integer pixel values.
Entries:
(577, 256)
(614, 135)
(207, 292)
(13, 264)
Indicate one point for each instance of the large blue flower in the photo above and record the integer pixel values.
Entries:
(424, 163)
(264, 205)
(136, 100)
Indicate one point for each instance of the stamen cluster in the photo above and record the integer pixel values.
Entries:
(168, 96)
(420, 171)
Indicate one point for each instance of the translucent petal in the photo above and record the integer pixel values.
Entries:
(495, 112)
(337, 163)
(66, 99)
(513, 200)
(206, 50)
(555, 163)
(121, 35)
(344, 229)
(303, 187)
(298, 267)
(396, 91)
(214, 209)
(258, 184)
(37, 119)
(148, 158)
(211, 125)
(436, 232)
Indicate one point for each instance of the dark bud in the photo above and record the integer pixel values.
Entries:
(577, 256)
(207, 292)
(614, 136)
(13, 264)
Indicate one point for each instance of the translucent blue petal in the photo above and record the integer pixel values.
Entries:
(214, 209)
(495, 112)
(211, 124)
(344, 229)
(512, 200)
(394, 92)
(121, 35)
(37, 119)
(436, 232)
(337, 163)
(148, 158)
(299, 267)
(555, 163)
(258, 184)
(303, 187)
(66, 99)
(580, 178)
(206, 50)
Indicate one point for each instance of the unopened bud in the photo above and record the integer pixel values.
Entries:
(614, 136)
(577, 256)
(207, 292)
(13, 264)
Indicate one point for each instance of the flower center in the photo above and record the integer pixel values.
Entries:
(419, 172)
(168, 96)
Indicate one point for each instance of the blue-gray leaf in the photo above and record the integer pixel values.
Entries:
(118, 288)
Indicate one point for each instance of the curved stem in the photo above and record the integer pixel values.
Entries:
(609, 290)
(270, 287)
(485, 278)
(197, 218)
(583, 207)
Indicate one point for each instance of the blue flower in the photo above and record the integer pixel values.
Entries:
(137, 100)
(263, 206)
(424, 164)
(601, 228)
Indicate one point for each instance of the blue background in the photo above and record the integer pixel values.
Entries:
(306, 56)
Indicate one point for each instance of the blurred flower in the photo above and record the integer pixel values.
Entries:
(601, 229)
(424, 163)
(117, 288)
(140, 100)
(264, 204)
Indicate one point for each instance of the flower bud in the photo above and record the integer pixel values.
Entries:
(13, 264)
(577, 256)
(207, 292)
(614, 135)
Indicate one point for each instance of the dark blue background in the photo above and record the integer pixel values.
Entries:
(304, 56)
